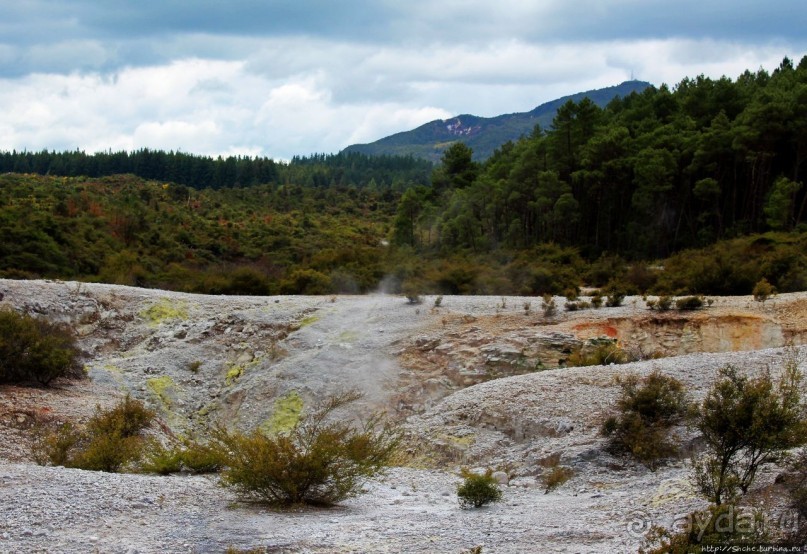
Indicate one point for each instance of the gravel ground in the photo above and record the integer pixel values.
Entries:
(408, 511)
(136, 339)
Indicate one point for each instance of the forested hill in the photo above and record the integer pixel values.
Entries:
(484, 134)
(697, 189)
(317, 170)
(649, 175)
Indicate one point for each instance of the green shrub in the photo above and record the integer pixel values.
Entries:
(596, 300)
(34, 350)
(647, 407)
(110, 440)
(604, 354)
(477, 490)
(640, 277)
(127, 419)
(578, 305)
(190, 456)
(615, 299)
(662, 304)
(548, 306)
(413, 292)
(319, 461)
(54, 448)
(689, 303)
(161, 460)
(763, 290)
(107, 452)
(199, 457)
(747, 423)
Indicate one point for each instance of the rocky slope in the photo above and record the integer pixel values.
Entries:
(472, 380)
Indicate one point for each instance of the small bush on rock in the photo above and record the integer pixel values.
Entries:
(548, 306)
(615, 299)
(663, 303)
(763, 290)
(161, 460)
(746, 423)
(648, 407)
(190, 456)
(110, 441)
(319, 461)
(689, 303)
(477, 490)
(604, 354)
(35, 350)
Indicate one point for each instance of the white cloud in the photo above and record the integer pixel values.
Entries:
(199, 106)
(299, 96)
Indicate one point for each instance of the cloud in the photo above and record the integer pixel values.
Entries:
(287, 77)
(149, 33)
(200, 106)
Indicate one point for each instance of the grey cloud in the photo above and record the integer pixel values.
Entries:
(138, 33)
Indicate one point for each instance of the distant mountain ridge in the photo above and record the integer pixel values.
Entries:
(484, 134)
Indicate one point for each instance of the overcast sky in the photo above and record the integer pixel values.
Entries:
(283, 77)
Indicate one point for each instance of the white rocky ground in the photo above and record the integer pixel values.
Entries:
(414, 361)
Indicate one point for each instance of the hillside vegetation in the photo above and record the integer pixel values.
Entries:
(695, 189)
(483, 134)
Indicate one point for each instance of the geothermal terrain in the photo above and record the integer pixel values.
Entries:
(476, 382)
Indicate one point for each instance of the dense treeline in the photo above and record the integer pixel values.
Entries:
(318, 170)
(695, 189)
(256, 240)
(649, 175)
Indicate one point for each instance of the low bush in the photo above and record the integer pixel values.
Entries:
(615, 299)
(548, 306)
(662, 304)
(477, 490)
(110, 441)
(199, 457)
(747, 423)
(603, 354)
(647, 407)
(35, 350)
(577, 305)
(319, 461)
(161, 460)
(689, 303)
(763, 290)
(190, 456)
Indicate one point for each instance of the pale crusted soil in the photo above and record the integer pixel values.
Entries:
(409, 511)
(462, 374)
